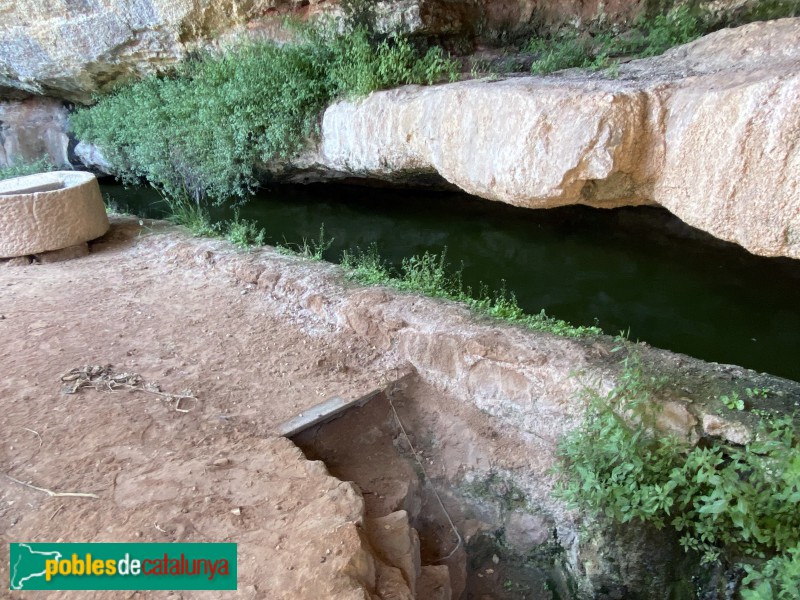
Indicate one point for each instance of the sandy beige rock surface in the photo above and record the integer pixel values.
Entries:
(524, 141)
(73, 50)
(50, 211)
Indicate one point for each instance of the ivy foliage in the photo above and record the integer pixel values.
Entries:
(731, 503)
(203, 130)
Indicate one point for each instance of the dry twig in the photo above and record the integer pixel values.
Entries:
(52, 493)
(36, 433)
(58, 510)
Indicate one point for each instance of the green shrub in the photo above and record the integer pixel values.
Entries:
(648, 37)
(202, 131)
(778, 579)
(359, 66)
(41, 165)
(727, 501)
(565, 52)
(679, 26)
(243, 232)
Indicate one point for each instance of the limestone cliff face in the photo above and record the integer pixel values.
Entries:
(33, 129)
(524, 141)
(710, 131)
(72, 49)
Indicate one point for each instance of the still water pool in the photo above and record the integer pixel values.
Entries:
(637, 269)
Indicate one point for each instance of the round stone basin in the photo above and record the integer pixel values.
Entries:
(49, 211)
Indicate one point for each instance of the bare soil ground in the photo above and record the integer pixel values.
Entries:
(211, 474)
(258, 338)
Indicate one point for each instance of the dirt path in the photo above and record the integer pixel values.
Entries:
(210, 474)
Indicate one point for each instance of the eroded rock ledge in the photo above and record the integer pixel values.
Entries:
(511, 388)
(708, 131)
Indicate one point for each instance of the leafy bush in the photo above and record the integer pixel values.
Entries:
(779, 579)
(727, 501)
(359, 66)
(201, 132)
(679, 26)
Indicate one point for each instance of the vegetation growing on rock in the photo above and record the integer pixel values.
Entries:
(430, 274)
(648, 37)
(730, 503)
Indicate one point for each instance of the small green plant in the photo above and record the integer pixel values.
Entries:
(430, 274)
(733, 401)
(564, 52)
(479, 68)
(778, 579)
(758, 392)
(243, 232)
(366, 266)
(192, 215)
(725, 501)
(112, 205)
(612, 70)
(313, 249)
(22, 168)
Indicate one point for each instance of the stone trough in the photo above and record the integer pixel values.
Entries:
(49, 211)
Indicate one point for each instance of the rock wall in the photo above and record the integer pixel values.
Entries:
(73, 49)
(32, 129)
(709, 131)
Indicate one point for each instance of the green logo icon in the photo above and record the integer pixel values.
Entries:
(42, 566)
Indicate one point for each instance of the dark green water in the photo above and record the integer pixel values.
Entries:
(639, 269)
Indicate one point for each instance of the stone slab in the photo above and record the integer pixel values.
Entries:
(49, 211)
